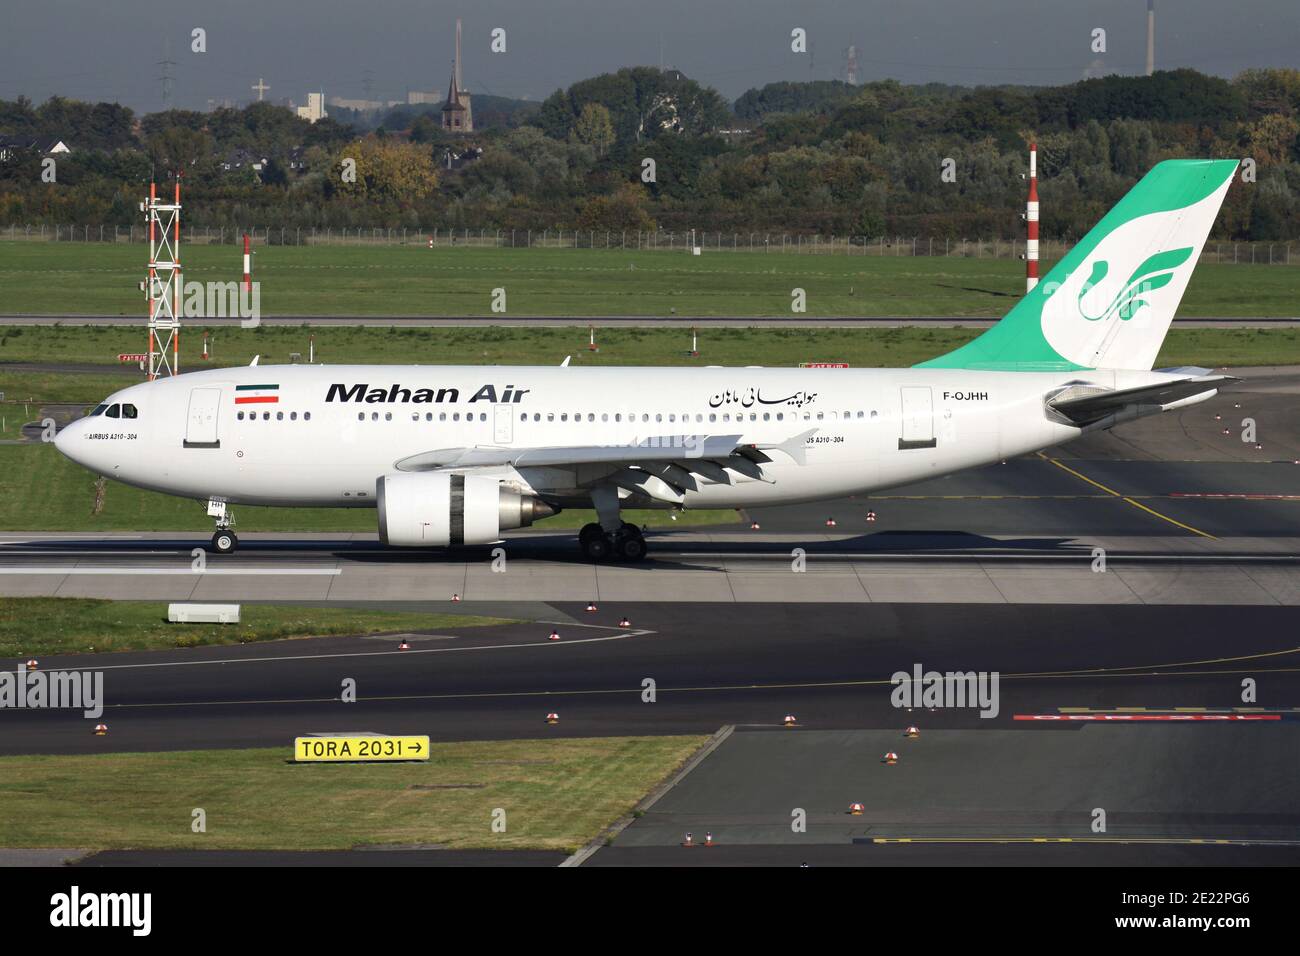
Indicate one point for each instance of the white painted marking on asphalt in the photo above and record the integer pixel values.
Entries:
(423, 650)
(231, 572)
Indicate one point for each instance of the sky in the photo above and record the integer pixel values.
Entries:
(93, 50)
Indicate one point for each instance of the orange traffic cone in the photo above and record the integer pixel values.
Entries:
(101, 730)
(890, 758)
(790, 721)
(856, 809)
(33, 664)
(404, 646)
(591, 607)
(911, 732)
(552, 718)
(708, 839)
(690, 840)
(555, 636)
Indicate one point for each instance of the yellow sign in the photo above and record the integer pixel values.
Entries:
(340, 749)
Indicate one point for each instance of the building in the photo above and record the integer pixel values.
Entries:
(457, 113)
(315, 108)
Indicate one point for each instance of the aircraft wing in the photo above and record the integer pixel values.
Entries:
(1085, 404)
(662, 466)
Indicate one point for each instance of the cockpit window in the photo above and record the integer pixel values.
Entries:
(114, 411)
(99, 410)
(128, 411)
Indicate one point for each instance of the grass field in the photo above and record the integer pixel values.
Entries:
(862, 348)
(556, 794)
(79, 626)
(414, 280)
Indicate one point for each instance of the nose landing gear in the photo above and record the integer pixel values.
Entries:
(224, 541)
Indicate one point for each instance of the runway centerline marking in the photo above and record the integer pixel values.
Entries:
(1132, 671)
(1111, 491)
(408, 653)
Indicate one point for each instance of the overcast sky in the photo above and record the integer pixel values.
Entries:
(98, 50)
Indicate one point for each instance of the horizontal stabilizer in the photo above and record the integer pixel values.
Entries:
(1083, 404)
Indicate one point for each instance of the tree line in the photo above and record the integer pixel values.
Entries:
(641, 149)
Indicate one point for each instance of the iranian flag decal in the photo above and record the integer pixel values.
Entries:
(257, 394)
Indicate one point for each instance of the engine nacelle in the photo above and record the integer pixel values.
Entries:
(433, 509)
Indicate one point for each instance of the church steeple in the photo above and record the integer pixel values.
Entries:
(456, 114)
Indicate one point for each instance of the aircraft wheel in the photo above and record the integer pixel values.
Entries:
(590, 531)
(224, 542)
(596, 548)
(631, 547)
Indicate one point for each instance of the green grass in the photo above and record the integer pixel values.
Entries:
(557, 794)
(414, 280)
(79, 626)
(862, 348)
(40, 490)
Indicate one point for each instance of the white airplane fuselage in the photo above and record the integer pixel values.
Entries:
(324, 435)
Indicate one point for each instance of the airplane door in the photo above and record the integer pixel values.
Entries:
(201, 420)
(503, 424)
(917, 418)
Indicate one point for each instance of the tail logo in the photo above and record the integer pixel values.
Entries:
(1156, 272)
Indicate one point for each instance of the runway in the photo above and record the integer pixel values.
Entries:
(1186, 532)
(712, 664)
(1137, 710)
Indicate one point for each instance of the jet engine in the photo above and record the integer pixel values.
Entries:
(433, 509)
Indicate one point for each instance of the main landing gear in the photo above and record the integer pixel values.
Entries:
(224, 541)
(627, 543)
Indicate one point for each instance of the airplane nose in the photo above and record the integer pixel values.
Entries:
(66, 439)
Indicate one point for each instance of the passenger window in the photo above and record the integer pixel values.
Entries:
(279, 416)
(361, 416)
(239, 415)
(293, 416)
(306, 416)
(266, 416)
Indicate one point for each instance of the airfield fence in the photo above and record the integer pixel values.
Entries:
(1260, 253)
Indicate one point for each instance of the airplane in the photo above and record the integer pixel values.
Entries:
(455, 455)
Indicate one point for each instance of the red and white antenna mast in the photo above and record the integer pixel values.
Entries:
(1031, 222)
(162, 288)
